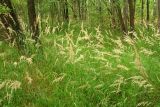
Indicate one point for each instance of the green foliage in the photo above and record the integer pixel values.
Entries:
(82, 64)
(4, 9)
(82, 68)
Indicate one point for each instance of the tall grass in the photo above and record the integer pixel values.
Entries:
(83, 68)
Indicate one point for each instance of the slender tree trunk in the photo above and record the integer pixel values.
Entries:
(100, 14)
(10, 20)
(59, 10)
(148, 15)
(155, 9)
(53, 12)
(159, 15)
(79, 9)
(75, 9)
(142, 11)
(113, 12)
(65, 11)
(132, 14)
(119, 13)
(33, 22)
(83, 9)
(125, 13)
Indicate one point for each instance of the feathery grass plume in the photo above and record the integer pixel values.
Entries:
(144, 104)
(118, 83)
(138, 64)
(147, 51)
(2, 85)
(10, 86)
(59, 79)
(123, 67)
(28, 78)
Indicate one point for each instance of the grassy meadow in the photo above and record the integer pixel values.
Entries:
(82, 65)
(83, 69)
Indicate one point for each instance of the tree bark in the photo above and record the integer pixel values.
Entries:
(132, 14)
(113, 14)
(65, 11)
(148, 15)
(100, 13)
(83, 9)
(125, 13)
(119, 13)
(142, 11)
(75, 9)
(33, 22)
(159, 15)
(79, 9)
(155, 9)
(10, 20)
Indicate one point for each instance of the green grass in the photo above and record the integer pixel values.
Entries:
(83, 69)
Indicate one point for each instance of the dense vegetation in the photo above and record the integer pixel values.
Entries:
(79, 53)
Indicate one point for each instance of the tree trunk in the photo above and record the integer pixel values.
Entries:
(132, 13)
(113, 14)
(79, 9)
(100, 16)
(83, 9)
(65, 11)
(159, 15)
(148, 15)
(155, 9)
(125, 13)
(33, 22)
(121, 18)
(142, 11)
(75, 9)
(10, 20)
(119, 13)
